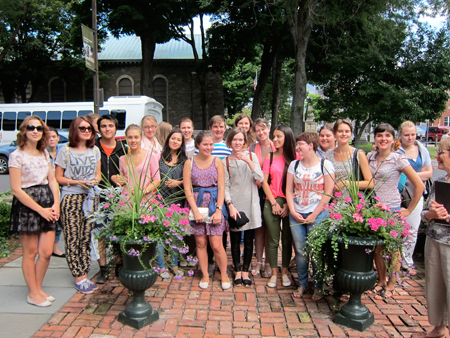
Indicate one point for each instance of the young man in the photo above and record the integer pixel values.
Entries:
(218, 126)
(187, 128)
(110, 151)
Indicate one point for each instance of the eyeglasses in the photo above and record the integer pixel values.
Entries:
(440, 152)
(30, 127)
(150, 127)
(299, 144)
(84, 129)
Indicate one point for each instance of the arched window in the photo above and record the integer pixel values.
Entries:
(125, 85)
(161, 94)
(57, 90)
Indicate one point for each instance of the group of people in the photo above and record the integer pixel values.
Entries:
(254, 188)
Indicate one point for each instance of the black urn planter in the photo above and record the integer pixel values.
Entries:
(134, 277)
(355, 275)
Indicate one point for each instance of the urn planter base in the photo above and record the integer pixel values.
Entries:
(355, 275)
(133, 276)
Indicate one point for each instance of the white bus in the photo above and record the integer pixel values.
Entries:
(127, 110)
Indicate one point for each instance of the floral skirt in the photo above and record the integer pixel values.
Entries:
(25, 221)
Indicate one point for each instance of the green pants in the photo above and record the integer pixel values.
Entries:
(274, 228)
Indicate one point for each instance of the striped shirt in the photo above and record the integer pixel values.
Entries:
(220, 150)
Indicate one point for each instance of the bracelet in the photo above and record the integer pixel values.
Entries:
(274, 204)
(229, 203)
(68, 183)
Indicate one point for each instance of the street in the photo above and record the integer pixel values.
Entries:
(4, 183)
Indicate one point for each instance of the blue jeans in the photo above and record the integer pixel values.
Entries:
(160, 257)
(300, 232)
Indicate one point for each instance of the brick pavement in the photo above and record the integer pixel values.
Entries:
(187, 311)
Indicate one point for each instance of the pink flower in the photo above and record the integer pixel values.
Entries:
(357, 218)
(359, 206)
(376, 198)
(184, 221)
(169, 214)
(106, 206)
(362, 201)
(360, 195)
(110, 195)
(348, 199)
(335, 216)
(166, 223)
(331, 207)
(338, 194)
(393, 233)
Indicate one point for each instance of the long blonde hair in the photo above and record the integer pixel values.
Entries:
(164, 130)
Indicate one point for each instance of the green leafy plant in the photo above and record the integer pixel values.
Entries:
(358, 215)
(5, 215)
(141, 218)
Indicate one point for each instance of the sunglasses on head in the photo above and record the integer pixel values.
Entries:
(83, 129)
(30, 127)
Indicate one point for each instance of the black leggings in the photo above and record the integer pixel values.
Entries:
(235, 237)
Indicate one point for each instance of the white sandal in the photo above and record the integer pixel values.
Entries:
(256, 272)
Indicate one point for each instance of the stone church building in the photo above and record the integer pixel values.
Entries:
(175, 82)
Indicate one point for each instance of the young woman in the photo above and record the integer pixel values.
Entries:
(77, 171)
(245, 122)
(242, 171)
(309, 185)
(52, 148)
(420, 160)
(327, 140)
(261, 149)
(437, 253)
(171, 165)
(187, 128)
(139, 166)
(35, 206)
(149, 127)
(204, 185)
(164, 129)
(342, 159)
(276, 208)
(386, 167)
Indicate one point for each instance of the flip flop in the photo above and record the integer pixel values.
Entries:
(237, 282)
(247, 283)
(383, 294)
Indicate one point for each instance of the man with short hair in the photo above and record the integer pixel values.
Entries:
(110, 151)
(218, 126)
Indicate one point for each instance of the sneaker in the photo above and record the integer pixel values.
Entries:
(285, 281)
(164, 275)
(85, 287)
(93, 285)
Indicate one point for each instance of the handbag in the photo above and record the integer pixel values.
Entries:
(407, 194)
(204, 211)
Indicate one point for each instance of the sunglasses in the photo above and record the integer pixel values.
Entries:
(83, 129)
(440, 152)
(30, 127)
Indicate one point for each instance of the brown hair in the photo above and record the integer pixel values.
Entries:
(327, 126)
(186, 119)
(148, 118)
(233, 132)
(74, 138)
(22, 137)
(251, 137)
(342, 121)
(309, 138)
(164, 129)
(132, 127)
(262, 122)
(217, 119)
(202, 135)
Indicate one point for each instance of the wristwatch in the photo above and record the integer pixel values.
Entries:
(229, 203)
(219, 208)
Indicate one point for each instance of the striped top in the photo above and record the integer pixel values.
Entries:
(220, 150)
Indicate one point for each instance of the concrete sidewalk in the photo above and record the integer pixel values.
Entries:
(18, 319)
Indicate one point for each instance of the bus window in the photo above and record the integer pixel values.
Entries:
(84, 112)
(41, 114)
(120, 115)
(103, 112)
(9, 121)
(21, 116)
(54, 119)
(68, 117)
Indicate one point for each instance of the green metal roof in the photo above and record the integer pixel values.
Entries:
(128, 48)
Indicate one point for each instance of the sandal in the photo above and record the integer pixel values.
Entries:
(376, 289)
(317, 295)
(267, 273)
(299, 292)
(385, 294)
(411, 271)
(247, 283)
(256, 272)
(237, 282)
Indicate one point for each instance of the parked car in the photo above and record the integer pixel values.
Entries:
(8, 149)
(435, 133)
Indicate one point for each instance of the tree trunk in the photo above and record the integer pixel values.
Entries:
(269, 54)
(148, 45)
(361, 130)
(276, 91)
(203, 81)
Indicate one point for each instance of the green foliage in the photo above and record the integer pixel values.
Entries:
(5, 215)
(4, 247)
(230, 121)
